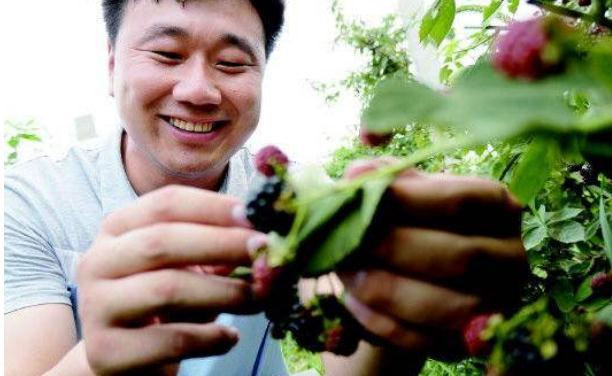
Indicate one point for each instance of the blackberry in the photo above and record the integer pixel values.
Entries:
(589, 175)
(261, 210)
(524, 357)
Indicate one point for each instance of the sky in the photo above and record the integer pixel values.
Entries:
(54, 71)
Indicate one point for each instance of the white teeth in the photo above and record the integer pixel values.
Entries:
(191, 127)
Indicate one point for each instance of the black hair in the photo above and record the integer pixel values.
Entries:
(271, 13)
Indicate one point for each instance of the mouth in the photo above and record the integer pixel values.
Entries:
(191, 127)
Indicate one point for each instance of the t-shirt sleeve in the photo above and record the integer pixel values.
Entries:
(33, 274)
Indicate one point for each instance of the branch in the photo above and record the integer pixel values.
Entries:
(571, 13)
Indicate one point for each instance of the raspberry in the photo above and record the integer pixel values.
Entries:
(519, 52)
(602, 284)
(263, 276)
(472, 335)
(261, 211)
(373, 139)
(270, 159)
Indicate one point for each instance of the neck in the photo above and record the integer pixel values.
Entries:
(145, 175)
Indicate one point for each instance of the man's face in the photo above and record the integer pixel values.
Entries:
(187, 81)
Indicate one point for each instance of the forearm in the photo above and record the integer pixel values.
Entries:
(74, 363)
(371, 360)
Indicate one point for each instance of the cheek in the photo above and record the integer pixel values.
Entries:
(246, 98)
(141, 86)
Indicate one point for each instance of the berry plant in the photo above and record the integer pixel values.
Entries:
(524, 102)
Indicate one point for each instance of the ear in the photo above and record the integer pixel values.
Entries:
(111, 68)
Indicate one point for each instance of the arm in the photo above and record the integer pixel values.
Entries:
(36, 338)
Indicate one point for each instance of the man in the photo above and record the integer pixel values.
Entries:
(135, 223)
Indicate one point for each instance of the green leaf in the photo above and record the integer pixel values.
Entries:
(534, 168)
(346, 234)
(605, 315)
(599, 60)
(13, 142)
(567, 232)
(534, 237)
(605, 228)
(564, 214)
(394, 105)
(30, 137)
(584, 291)
(513, 6)
(562, 293)
(491, 9)
(438, 21)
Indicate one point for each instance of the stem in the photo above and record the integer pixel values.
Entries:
(599, 18)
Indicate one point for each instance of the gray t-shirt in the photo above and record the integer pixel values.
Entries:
(53, 209)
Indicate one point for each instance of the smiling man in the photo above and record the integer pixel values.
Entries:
(137, 226)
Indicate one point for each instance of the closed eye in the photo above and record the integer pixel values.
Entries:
(168, 55)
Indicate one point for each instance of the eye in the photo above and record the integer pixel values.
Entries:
(168, 55)
(231, 64)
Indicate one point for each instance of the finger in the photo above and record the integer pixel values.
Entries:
(171, 245)
(166, 292)
(176, 204)
(467, 205)
(385, 327)
(118, 350)
(411, 301)
(435, 255)
(362, 166)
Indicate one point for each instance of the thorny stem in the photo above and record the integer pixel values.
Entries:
(598, 18)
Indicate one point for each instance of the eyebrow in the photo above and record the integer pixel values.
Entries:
(161, 30)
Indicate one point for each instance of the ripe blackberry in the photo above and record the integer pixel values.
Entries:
(584, 3)
(270, 160)
(589, 175)
(523, 355)
(261, 210)
(519, 53)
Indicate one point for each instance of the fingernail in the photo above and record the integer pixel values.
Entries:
(239, 216)
(255, 244)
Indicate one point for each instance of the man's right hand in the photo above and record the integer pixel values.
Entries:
(140, 306)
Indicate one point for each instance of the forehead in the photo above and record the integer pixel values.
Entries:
(202, 19)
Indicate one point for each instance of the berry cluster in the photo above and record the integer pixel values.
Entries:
(323, 324)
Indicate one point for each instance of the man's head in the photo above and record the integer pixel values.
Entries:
(187, 77)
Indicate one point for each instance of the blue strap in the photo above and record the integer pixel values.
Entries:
(260, 351)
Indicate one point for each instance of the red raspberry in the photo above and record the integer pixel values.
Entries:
(333, 339)
(373, 139)
(263, 276)
(472, 332)
(602, 284)
(270, 158)
(519, 52)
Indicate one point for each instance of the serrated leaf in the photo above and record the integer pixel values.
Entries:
(564, 214)
(567, 232)
(30, 137)
(563, 296)
(605, 228)
(438, 21)
(534, 237)
(346, 234)
(533, 169)
(491, 9)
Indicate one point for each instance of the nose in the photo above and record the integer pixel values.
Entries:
(197, 87)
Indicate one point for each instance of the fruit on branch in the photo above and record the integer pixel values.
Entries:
(602, 284)
(589, 175)
(369, 138)
(473, 332)
(526, 50)
(271, 161)
(265, 209)
(584, 3)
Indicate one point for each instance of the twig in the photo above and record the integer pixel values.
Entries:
(601, 20)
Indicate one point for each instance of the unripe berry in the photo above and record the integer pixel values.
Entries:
(519, 53)
(269, 159)
(263, 276)
(602, 284)
(472, 335)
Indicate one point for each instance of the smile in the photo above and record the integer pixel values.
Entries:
(191, 127)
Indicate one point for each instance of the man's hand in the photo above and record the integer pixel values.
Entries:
(140, 305)
(454, 250)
